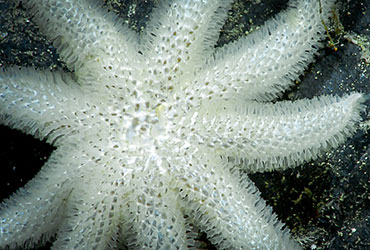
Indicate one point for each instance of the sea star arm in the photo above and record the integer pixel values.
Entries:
(229, 209)
(154, 209)
(33, 214)
(277, 136)
(158, 219)
(39, 103)
(88, 38)
(181, 37)
(94, 215)
(264, 63)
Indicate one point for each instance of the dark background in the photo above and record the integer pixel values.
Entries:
(325, 203)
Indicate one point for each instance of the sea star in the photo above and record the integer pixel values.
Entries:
(149, 133)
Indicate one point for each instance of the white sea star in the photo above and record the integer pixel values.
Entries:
(148, 130)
